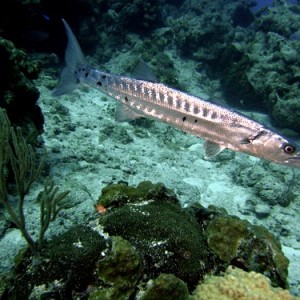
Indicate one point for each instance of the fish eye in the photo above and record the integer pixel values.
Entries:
(288, 148)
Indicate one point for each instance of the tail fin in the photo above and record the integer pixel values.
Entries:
(73, 57)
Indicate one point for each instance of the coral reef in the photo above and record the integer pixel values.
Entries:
(64, 267)
(119, 270)
(148, 219)
(133, 214)
(252, 247)
(18, 94)
(255, 61)
(165, 287)
(143, 244)
(265, 65)
(276, 186)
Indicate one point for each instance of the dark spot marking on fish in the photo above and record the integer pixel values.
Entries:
(184, 119)
(195, 121)
(214, 115)
(161, 97)
(170, 100)
(205, 112)
(103, 76)
(77, 81)
(126, 99)
(146, 91)
(130, 86)
(187, 106)
(196, 110)
(86, 74)
(99, 83)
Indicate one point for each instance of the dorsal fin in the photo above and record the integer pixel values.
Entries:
(144, 72)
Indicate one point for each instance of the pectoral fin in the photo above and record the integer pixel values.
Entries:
(124, 114)
(212, 149)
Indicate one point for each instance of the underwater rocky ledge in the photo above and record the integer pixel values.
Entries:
(141, 244)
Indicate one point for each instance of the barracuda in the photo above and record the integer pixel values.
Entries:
(145, 97)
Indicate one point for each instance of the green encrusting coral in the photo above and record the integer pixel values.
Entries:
(253, 247)
(116, 195)
(165, 287)
(119, 270)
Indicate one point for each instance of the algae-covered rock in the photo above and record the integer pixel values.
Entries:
(256, 65)
(18, 94)
(143, 235)
(184, 242)
(237, 284)
(234, 65)
(252, 247)
(165, 287)
(286, 113)
(73, 255)
(280, 18)
(119, 270)
(124, 262)
(116, 195)
(167, 236)
(276, 185)
(64, 266)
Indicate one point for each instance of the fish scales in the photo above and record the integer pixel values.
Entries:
(220, 127)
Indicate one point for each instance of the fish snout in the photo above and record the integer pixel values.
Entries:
(294, 161)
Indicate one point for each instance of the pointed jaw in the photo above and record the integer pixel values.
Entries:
(294, 161)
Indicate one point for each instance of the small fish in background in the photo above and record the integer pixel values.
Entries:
(143, 96)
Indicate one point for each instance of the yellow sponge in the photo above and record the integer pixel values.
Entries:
(237, 284)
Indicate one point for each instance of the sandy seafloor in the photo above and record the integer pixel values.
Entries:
(87, 150)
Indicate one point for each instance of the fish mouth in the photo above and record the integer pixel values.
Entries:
(294, 161)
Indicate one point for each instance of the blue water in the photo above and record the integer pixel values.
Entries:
(263, 3)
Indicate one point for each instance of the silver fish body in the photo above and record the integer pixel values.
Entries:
(219, 126)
